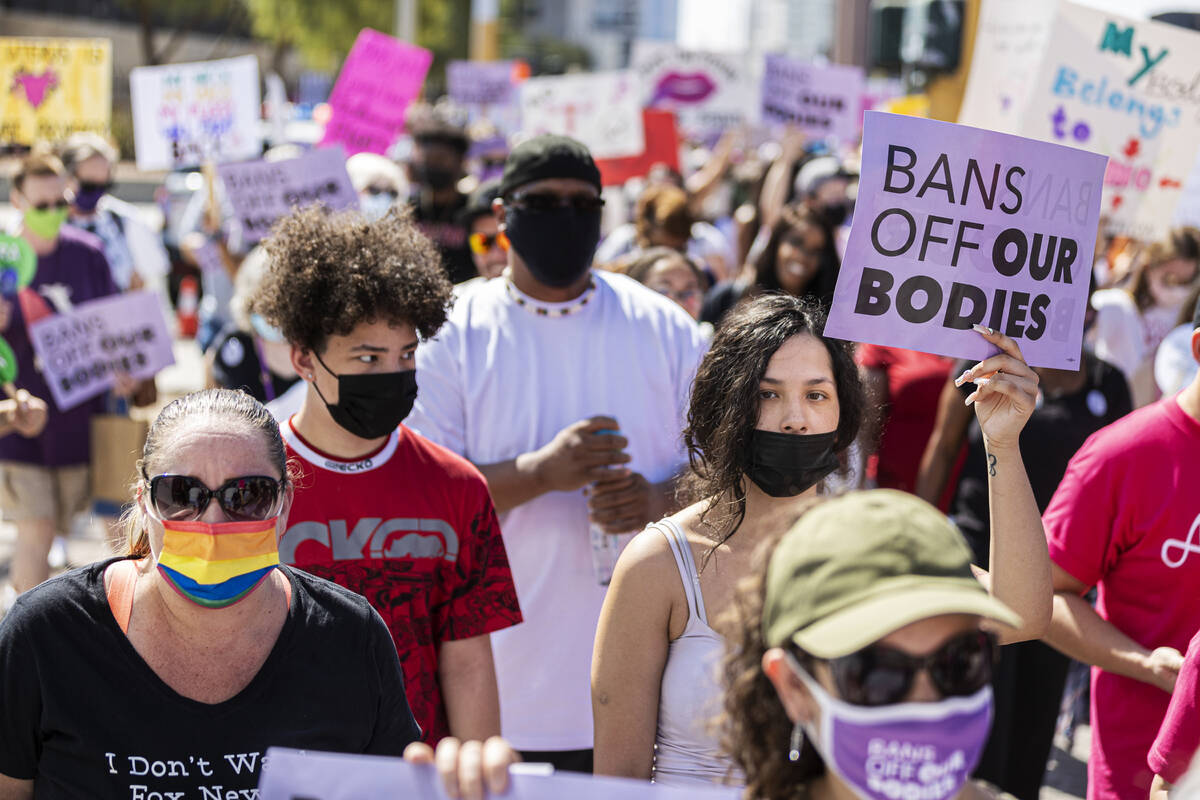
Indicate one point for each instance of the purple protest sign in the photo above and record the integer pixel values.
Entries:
(380, 78)
(261, 192)
(956, 226)
(82, 351)
(819, 100)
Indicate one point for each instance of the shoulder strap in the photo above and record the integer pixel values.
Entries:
(687, 566)
(122, 577)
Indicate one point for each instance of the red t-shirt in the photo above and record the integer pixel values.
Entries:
(1179, 737)
(1126, 519)
(411, 527)
(914, 383)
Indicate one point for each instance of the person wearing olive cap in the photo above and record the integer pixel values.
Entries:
(566, 387)
(861, 664)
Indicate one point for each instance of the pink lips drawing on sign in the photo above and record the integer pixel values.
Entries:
(683, 87)
(36, 86)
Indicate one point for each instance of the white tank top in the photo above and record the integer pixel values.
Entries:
(686, 745)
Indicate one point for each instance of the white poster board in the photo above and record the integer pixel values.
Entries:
(709, 92)
(601, 109)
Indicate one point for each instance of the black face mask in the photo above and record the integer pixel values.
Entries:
(371, 406)
(787, 464)
(556, 244)
(436, 178)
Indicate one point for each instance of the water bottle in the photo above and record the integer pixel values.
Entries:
(606, 547)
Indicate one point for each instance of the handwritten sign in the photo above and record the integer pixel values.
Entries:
(819, 100)
(958, 226)
(53, 88)
(82, 351)
(487, 90)
(293, 774)
(263, 191)
(709, 92)
(1124, 88)
(1010, 41)
(601, 109)
(186, 114)
(379, 80)
(662, 147)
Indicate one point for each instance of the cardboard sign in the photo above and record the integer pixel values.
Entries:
(53, 88)
(601, 109)
(709, 92)
(187, 114)
(263, 191)
(958, 226)
(1124, 88)
(1010, 41)
(379, 80)
(82, 351)
(662, 147)
(819, 100)
(295, 774)
(487, 90)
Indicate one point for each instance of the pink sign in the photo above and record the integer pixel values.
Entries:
(957, 226)
(379, 80)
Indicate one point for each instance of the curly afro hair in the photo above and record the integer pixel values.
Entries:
(330, 272)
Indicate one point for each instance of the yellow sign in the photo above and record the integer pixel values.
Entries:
(51, 88)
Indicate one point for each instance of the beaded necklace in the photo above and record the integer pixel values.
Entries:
(530, 305)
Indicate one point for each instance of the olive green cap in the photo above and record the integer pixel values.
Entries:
(855, 568)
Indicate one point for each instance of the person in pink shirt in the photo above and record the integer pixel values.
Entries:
(1179, 737)
(1126, 519)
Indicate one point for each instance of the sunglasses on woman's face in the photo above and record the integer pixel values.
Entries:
(57, 205)
(482, 243)
(183, 498)
(879, 675)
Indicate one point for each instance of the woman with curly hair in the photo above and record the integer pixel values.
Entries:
(380, 509)
(774, 406)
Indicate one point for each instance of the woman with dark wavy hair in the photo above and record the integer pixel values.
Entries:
(774, 406)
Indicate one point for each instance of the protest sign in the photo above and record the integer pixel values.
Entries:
(709, 92)
(1124, 88)
(1010, 41)
(54, 88)
(263, 191)
(8, 365)
(601, 109)
(18, 264)
(819, 100)
(662, 147)
(487, 90)
(187, 114)
(293, 774)
(957, 226)
(379, 80)
(82, 351)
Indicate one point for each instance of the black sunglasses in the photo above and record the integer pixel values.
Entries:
(879, 675)
(92, 186)
(183, 498)
(57, 205)
(548, 201)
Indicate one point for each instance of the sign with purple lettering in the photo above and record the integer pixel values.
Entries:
(263, 191)
(819, 100)
(709, 92)
(1124, 88)
(187, 114)
(81, 352)
(958, 226)
(379, 80)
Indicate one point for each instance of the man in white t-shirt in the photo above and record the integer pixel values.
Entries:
(567, 388)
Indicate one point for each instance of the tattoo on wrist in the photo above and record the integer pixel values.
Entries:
(991, 464)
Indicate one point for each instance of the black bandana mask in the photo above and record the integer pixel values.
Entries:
(557, 244)
(788, 464)
(371, 406)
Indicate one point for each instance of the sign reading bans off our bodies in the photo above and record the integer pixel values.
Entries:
(958, 226)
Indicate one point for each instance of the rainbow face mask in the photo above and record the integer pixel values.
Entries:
(216, 565)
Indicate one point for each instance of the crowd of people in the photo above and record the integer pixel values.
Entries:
(522, 466)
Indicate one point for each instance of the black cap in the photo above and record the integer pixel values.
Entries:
(479, 204)
(548, 156)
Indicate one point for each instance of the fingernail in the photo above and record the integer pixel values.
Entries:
(971, 398)
(961, 379)
(984, 329)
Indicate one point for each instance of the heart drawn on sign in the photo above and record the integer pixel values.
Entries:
(36, 86)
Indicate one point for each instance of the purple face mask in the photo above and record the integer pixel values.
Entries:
(914, 751)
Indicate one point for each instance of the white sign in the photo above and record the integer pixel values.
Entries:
(601, 109)
(709, 92)
(293, 774)
(186, 114)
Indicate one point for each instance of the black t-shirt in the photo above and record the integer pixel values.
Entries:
(1056, 429)
(236, 366)
(84, 716)
(443, 224)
